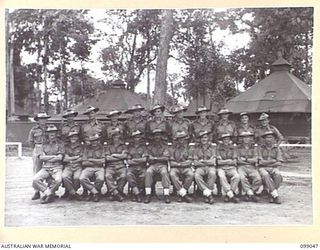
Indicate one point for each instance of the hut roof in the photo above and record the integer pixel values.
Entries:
(281, 91)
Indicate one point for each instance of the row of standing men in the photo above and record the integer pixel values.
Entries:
(138, 163)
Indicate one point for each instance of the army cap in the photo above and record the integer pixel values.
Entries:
(178, 109)
(155, 107)
(245, 133)
(114, 112)
(136, 107)
(202, 108)
(91, 108)
(263, 116)
(225, 135)
(41, 116)
(51, 128)
(70, 112)
(94, 137)
(136, 133)
(181, 134)
(224, 111)
(203, 132)
(268, 133)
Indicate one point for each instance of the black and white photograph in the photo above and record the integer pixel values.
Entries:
(139, 117)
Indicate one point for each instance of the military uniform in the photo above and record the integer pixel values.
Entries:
(260, 130)
(36, 138)
(178, 154)
(181, 125)
(52, 169)
(136, 171)
(112, 127)
(271, 175)
(228, 152)
(65, 130)
(205, 152)
(228, 127)
(160, 124)
(134, 124)
(92, 169)
(116, 170)
(72, 171)
(92, 128)
(202, 125)
(248, 170)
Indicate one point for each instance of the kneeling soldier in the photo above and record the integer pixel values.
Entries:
(137, 160)
(51, 157)
(116, 153)
(158, 165)
(270, 158)
(205, 161)
(247, 162)
(227, 162)
(179, 159)
(93, 166)
(72, 170)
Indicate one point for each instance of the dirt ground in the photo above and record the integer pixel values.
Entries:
(296, 193)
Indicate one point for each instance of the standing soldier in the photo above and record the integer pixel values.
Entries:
(73, 168)
(93, 126)
(136, 122)
(36, 139)
(270, 158)
(52, 156)
(115, 155)
(181, 172)
(204, 160)
(158, 165)
(158, 122)
(179, 123)
(114, 125)
(137, 160)
(68, 126)
(93, 166)
(227, 163)
(247, 166)
(244, 125)
(202, 124)
(225, 126)
(264, 127)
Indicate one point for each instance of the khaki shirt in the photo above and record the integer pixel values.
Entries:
(229, 127)
(36, 135)
(270, 153)
(225, 152)
(178, 153)
(157, 150)
(180, 125)
(248, 153)
(136, 151)
(66, 128)
(133, 125)
(54, 148)
(202, 125)
(75, 149)
(204, 152)
(155, 124)
(116, 149)
(261, 130)
(90, 129)
(96, 152)
(242, 128)
(111, 127)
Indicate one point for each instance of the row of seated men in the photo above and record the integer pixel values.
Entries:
(138, 163)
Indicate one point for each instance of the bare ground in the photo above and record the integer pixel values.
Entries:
(296, 193)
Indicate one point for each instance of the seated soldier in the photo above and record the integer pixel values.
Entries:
(227, 163)
(247, 162)
(204, 160)
(137, 160)
(179, 159)
(52, 156)
(73, 168)
(158, 164)
(270, 158)
(93, 166)
(116, 171)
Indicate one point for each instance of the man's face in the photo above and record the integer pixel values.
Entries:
(137, 138)
(114, 118)
(204, 139)
(157, 137)
(269, 139)
(70, 118)
(224, 117)
(158, 113)
(203, 114)
(264, 122)
(226, 140)
(42, 122)
(244, 119)
(52, 136)
(74, 139)
(246, 139)
(136, 113)
(181, 141)
(179, 115)
(91, 115)
(116, 137)
(94, 143)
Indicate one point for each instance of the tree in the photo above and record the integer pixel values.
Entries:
(166, 33)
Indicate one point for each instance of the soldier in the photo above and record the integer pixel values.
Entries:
(68, 126)
(204, 160)
(52, 156)
(115, 154)
(244, 125)
(158, 165)
(227, 163)
(247, 166)
(115, 124)
(137, 160)
(264, 127)
(93, 166)
(180, 162)
(202, 124)
(225, 126)
(73, 168)
(136, 122)
(93, 126)
(270, 159)
(158, 122)
(179, 123)
(36, 139)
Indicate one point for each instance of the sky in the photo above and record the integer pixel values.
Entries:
(94, 65)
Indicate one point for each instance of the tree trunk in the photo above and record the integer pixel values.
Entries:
(130, 77)
(45, 73)
(12, 98)
(166, 33)
(8, 109)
